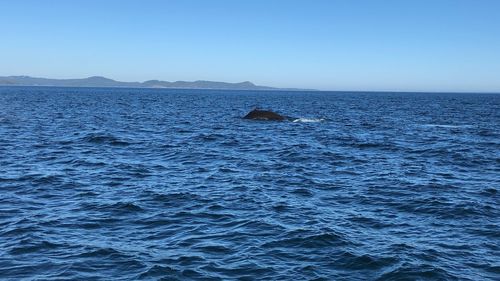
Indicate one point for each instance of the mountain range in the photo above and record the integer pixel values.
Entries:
(99, 81)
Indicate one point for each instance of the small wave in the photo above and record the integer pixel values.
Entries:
(100, 252)
(303, 192)
(486, 133)
(135, 170)
(118, 207)
(446, 126)
(311, 241)
(203, 216)
(125, 206)
(19, 230)
(33, 248)
(489, 191)
(160, 271)
(209, 137)
(173, 199)
(104, 139)
(214, 249)
(413, 272)
(308, 120)
(352, 261)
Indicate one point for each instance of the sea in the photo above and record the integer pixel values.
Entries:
(173, 184)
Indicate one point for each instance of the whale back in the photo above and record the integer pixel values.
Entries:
(257, 114)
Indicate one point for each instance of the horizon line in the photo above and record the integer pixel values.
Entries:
(253, 90)
(270, 88)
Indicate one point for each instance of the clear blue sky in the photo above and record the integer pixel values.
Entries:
(422, 45)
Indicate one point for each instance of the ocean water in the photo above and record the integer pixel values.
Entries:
(149, 184)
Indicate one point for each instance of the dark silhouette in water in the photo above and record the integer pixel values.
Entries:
(258, 114)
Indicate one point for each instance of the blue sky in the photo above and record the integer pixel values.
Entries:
(420, 45)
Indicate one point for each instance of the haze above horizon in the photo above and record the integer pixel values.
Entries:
(445, 45)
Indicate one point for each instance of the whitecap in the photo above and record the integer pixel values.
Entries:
(308, 120)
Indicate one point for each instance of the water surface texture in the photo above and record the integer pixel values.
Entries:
(101, 184)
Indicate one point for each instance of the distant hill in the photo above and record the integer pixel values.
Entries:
(98, 81)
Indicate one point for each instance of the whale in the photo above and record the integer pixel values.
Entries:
(265, 115)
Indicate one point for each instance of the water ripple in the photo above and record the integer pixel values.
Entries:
(156, 184)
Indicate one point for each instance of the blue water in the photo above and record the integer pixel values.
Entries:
(121, 184)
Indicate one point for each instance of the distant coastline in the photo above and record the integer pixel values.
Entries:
(99, 81)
